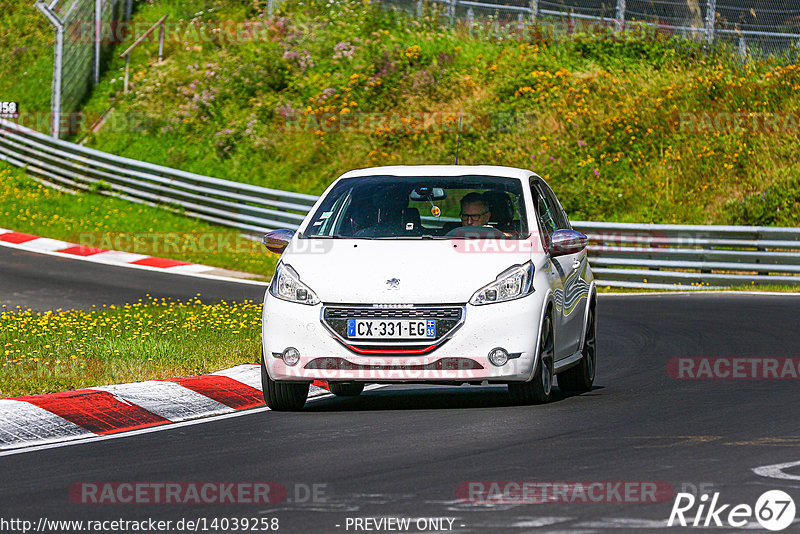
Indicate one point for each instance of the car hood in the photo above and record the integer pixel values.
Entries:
(357, 271)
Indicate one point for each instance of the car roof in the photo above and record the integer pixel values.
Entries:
(441, 170)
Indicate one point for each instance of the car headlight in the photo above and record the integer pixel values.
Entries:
(286, 285)
(513, 283)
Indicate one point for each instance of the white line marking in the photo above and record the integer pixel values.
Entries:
(701, 292)
(192, 268)
(167, 399)
(776, 471)
(44, 243)
(24, 423)
(248, 374)
(116, 256)
(93, 438)
(624, 522)
(540, 522)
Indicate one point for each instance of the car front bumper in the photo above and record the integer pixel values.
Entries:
(463, 357)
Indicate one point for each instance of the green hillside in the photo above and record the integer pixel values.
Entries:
(626, 127)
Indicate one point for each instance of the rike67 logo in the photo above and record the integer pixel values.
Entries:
(774, 510)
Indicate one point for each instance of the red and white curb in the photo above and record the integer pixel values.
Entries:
(35, 420)
(55, 247)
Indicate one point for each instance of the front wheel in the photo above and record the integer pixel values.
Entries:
(538, 390)
(282, 396)
(581, 376)
(346, 389)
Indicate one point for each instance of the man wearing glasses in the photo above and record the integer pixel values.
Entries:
(474, 210)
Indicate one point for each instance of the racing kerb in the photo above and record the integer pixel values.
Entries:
(654, 256)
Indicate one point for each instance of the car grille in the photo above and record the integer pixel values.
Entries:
(447, 319)
(332, 313)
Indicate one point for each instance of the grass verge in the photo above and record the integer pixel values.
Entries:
(64, 350)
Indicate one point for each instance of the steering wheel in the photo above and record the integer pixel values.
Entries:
(475, 232)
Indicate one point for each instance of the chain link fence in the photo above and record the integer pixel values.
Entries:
(81, 42)
(750, 27)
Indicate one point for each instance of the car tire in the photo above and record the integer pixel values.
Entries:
(581, 376)
(539, 389)
(282, 396)
(346, 389)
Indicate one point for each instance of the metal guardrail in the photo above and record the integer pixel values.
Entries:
(671, 256)
(661, 256)
(238, 205)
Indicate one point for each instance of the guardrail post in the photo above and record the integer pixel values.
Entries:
(711, 15)
(127, 63)
(161, 43)
(620, 18)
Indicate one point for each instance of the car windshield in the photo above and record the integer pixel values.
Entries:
(410, 207)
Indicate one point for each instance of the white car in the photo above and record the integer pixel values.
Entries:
(430, 274)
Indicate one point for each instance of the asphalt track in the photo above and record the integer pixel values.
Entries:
(402, 451)
(42, 282)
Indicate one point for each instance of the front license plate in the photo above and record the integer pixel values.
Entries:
(388, 329)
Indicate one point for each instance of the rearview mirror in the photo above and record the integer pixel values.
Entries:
(567, 242)
(428, 193)
(277, 240)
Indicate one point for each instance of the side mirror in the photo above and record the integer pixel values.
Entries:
(567, 242)
(277, 240)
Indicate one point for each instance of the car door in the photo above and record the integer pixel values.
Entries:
(572, 299)
(553, 267)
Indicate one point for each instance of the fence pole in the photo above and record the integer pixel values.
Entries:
(470, 18)
(128, 10)
(534, 9)
(711, 15)
(98, 20)
(452, 11)
(58, 56)
(161, 42)
(620, 19)
(127, 63)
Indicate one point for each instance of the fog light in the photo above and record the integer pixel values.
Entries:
(498, 356)
(291, 356)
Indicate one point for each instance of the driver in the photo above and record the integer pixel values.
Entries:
(474, 210)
